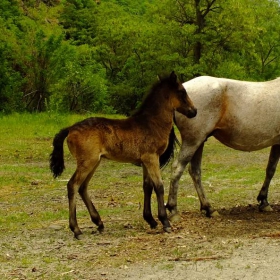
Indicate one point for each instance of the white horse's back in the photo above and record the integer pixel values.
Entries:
(242, 115)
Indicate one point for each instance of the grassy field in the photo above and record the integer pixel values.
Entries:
(34, 235)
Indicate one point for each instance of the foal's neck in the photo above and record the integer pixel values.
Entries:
(156, 116)
(156, 111)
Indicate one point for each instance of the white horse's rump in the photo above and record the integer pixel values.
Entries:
(242, 115)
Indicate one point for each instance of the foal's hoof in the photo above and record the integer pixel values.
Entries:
(100, 228)
(153, 224)
(167, 229)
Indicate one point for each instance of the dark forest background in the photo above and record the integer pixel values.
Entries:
(102, 56)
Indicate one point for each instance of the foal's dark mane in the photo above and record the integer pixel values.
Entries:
(151, 103)
(152, 100)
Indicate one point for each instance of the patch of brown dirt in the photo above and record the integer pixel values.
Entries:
(238, 244)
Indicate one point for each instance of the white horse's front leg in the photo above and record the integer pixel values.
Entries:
(178, 168)
(270, 170)
(195, 173)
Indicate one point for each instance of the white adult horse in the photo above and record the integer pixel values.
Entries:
(242, 115)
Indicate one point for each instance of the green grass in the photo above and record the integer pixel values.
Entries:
(31, 201)
(26, 182)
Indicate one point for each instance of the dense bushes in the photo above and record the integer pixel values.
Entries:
(102, 56)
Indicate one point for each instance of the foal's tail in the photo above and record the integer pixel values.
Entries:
(56, 157)
(169, 152)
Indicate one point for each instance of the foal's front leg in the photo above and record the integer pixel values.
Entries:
(162, 215)
(147, 212)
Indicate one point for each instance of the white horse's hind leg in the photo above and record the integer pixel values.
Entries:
(270, 170)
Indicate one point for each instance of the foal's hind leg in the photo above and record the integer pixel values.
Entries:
(270, 170)
(72, 188)
(81, 176)
(95, 217)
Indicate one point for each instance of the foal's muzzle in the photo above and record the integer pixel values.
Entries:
(191, 113)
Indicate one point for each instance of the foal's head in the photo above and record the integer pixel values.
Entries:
(179, 98)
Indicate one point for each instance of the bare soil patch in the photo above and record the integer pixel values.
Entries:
(241, 243)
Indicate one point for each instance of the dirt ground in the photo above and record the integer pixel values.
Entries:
(241, 243)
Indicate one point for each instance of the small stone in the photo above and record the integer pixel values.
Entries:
(55, 227)
(215, 214)
(175, 218)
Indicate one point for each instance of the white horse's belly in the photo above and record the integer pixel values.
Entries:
(249, 125)
(243, 141)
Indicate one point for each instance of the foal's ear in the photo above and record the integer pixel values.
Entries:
(173, 77)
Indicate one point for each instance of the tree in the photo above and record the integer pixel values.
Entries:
(216, 37)
(103, 55)
(10, 80)
(84, 86)
(78, 19)
(43, 65)
(267, 39)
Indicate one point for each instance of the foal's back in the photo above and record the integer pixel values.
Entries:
(124, 140)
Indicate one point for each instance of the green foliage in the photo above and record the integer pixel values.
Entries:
(83, 87)
(10, 98)
(10, 82)
(79, 20)
(103, 55)
(9, 10)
